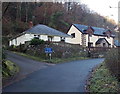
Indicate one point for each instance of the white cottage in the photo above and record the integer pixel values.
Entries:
(90, 36)
(39, 31)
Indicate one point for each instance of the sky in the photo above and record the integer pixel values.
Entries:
(102, 7)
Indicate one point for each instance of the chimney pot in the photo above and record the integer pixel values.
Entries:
(30, 24)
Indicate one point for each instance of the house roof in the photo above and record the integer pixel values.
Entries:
(45, 30)
(117, 43)
(100, 40)
(97, 30)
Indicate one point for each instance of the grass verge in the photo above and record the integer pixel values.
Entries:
(53, 60)
(9, 69)
(101, 80)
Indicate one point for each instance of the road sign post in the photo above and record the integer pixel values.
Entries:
(49, 51)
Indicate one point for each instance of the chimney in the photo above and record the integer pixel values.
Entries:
(30, 24)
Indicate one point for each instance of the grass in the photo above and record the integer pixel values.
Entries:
(53, 60)
(10, 70)
(0, 76)
(102, 81)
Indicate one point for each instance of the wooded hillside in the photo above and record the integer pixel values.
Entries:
(60, 16)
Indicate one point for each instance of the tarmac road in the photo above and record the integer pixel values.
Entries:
(65, 77)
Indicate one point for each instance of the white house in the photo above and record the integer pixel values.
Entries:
(90, 36)
(39, 31)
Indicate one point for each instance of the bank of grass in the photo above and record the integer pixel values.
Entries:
(9, 69)
(101, 80)
(53, 60)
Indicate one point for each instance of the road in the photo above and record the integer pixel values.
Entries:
(66, 77)
(26, 66)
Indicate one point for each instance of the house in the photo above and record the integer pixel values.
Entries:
(39, 31)
(89, 36)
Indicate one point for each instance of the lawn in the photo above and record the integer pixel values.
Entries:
(53, 60)
(101, 80)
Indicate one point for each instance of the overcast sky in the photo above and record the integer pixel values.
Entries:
(102, 7)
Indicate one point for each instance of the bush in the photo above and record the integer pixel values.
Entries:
(13, 48)
(36, 41)
(22, 48)
(3, 55)
(9, 69)
(113, 61)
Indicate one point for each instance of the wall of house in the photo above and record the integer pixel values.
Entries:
(56, 38)
(27, 37)
(77, 39)
(94, 38)
(12, 42)
(111, 41)
(44, 37)
(101, 44)
(82, 39)
(21, 39)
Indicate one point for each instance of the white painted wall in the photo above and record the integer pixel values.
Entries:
(77, 39)
(44, 37)
(95, 38)
(67, 39)
(27, 37)
(56, 38)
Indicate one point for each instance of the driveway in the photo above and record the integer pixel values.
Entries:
(66, 77)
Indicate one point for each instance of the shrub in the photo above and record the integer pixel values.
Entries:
(36, 41)
(113, 61)
(13, 48)
(3, 55)
(22, 48)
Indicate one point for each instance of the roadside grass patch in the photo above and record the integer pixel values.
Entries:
(101, 80)
(53, 60)
(9, 69)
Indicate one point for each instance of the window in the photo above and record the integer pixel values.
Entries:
(104, 45)
(37, 36)
(62, 38)
(73, 35)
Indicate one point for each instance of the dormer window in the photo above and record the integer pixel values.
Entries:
(107, 33)
(84, 31)
(90, 30)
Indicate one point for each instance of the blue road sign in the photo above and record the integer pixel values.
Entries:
(48, 50)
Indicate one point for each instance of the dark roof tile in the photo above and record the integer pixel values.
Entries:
(117, 43)
(43, 29)
(97, 30)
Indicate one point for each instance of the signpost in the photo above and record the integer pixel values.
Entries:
(49, 52)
